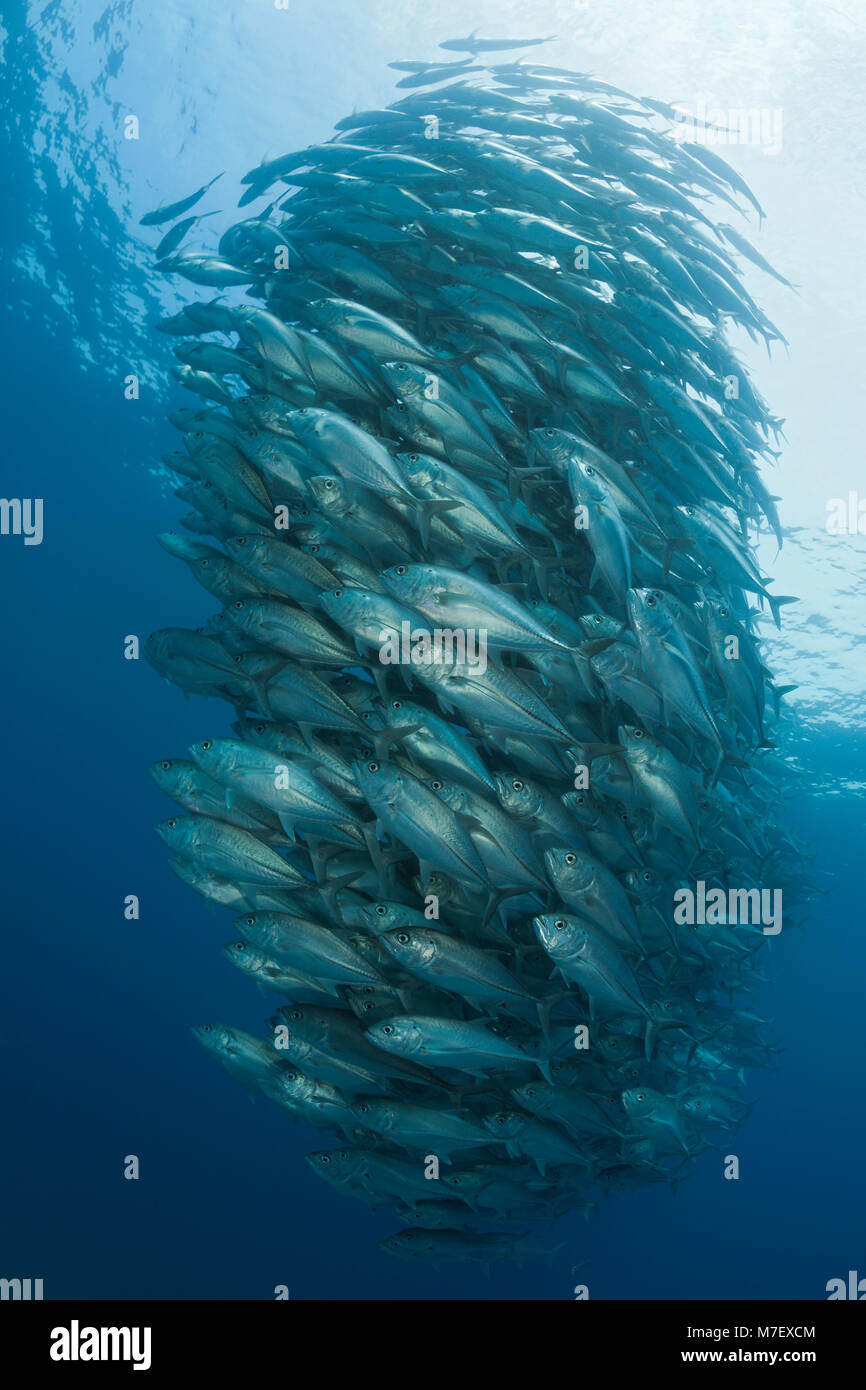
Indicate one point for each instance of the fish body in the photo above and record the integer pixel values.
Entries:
(449, 1043)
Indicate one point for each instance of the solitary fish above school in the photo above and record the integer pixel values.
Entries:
(478, 508)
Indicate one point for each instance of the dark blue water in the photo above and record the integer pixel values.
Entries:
(97, 1058)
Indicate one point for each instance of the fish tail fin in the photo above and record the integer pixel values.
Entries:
(777, 691)
(373, 847)
(318, 854)
(549, 1254)
(776, 602)
(672, 545)
(541, 566)
(287, 826)
(383, 739)
(260, 690)
(330, 889)
(495, 900)
(545, 1008)
(380, 680)
(734, 760)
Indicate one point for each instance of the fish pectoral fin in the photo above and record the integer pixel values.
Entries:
(473, 822)
(428, 510)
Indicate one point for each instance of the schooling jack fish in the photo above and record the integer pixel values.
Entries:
(478, 386)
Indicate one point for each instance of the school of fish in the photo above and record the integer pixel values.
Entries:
(474, 476)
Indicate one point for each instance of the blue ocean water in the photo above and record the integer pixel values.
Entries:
(98, 1060)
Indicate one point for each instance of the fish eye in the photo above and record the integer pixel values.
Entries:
(597, 619)
(651, 601)
(296, 1013)
(530, 1091)
(199, 434)
(723, 612)
(171, 823)
(338, 593)
(207, 744)
(166, 766)
(324, 1159)
(313, 549)
(396, 704)
(437, 786)
(363, 1109)
(404, 938)
(571, 859)
(329, 483)
(647, 876)
(240, 945)
(240, 540)
(388, 1029)
(667, 1005)
(560, 924)
(204, 564)
(589, 470)
(372, 767)
(549, 434)
(238, 605)
(399, 569)
(413, 458)
(689, 511)
(381, 909)
(638, 733)
(580, 800)
(206, 1028)
(250, 921)
(517, 785)
(640, 1097)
